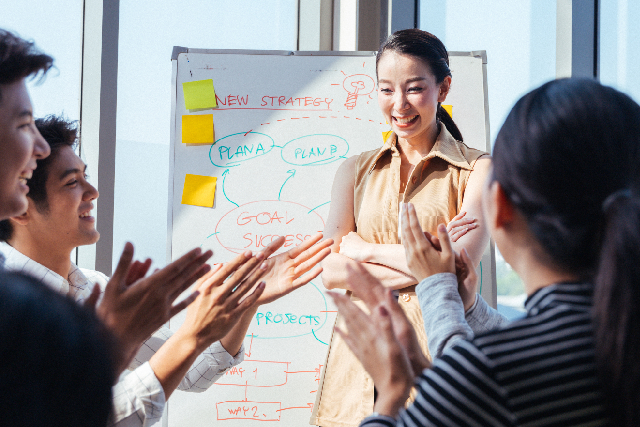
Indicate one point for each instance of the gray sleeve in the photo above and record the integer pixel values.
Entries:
(482, 318)
(442, 312)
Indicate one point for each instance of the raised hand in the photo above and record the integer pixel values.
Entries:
(286, 272)
(425, 254)
(134, 306)
(460, 225)
(221, 300)
(372, 340)
(373, 293)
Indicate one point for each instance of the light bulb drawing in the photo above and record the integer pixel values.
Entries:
(357, 85)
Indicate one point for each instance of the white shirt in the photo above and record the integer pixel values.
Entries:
(138, 397)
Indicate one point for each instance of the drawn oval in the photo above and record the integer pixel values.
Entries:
(287, 318)
(252, 226)
(239, 147)
(314, 150)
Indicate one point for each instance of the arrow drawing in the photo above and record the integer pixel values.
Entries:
(293, 173)
(250, 345)
(224, 178)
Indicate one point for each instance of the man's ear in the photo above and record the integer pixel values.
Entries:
(21, 219)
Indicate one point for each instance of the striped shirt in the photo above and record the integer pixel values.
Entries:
(538, 371)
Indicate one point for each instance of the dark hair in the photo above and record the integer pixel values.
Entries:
(428, 48)
(562, 152)
(56, 360)
(19, 59)
(59, 133)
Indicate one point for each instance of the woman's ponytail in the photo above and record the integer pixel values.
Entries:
(443, 117)
(616, 308)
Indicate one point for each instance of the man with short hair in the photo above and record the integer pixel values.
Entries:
(58, 219)
(20, 142)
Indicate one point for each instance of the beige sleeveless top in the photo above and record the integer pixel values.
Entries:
(436, 187)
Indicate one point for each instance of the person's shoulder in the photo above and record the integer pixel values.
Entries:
(472, 155)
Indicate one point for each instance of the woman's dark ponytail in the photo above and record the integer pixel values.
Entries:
(443, 117)
(616, 308)
(568, 158)
(428, 48)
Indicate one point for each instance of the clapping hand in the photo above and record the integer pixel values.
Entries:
(384, 342)
(134, 306)
(293, 269)
(428, 255)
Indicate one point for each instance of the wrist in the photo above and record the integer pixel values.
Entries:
(470, 303)
(188, 341)
(389, 403)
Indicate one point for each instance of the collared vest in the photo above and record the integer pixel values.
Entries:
(436, 187)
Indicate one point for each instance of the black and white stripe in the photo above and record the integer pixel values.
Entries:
(538, 371)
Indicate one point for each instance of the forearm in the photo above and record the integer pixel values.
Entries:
(335, 274)
(442, 312)
(389, 255)
(173, 360)
(232, 342)
(483, 318)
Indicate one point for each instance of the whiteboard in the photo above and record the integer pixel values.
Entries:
(284, 123)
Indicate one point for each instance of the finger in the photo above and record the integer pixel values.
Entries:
(246, 285)
(455, 235)
(354, 318)
(183, 304)
(459, 216)
(313, 251)
(408, 240)
(365, 289)
(182, 284)
(455, 220)
(214, 269)
(251, 300)
(118, 277)
(416, 229)
(273, 246)
(229, 267)
(435, 242)
(306, 244)
(445, 241)
(188, 275)
(92, 300)
(184, 265)
(309, 263)
(301, 281)
(137, 271)
(383, 318)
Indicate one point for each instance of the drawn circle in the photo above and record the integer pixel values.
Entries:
(253, 225)
(312, 331)
(239, 147)
(314, 150)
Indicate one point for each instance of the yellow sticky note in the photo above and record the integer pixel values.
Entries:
(386, 134)
(449, 109)
(198, 129)
(199, 190)
(199, 94)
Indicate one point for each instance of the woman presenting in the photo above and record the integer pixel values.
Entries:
(423, 161)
